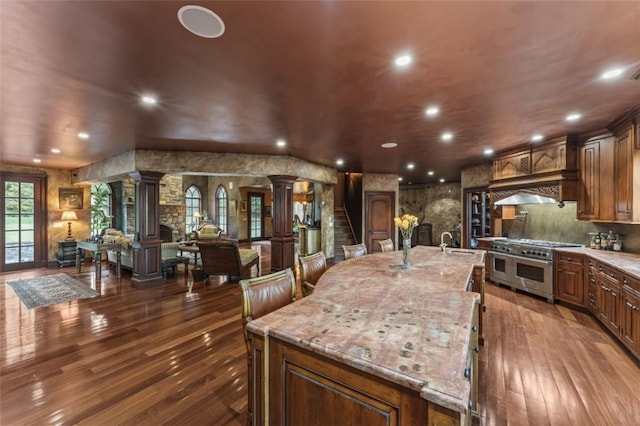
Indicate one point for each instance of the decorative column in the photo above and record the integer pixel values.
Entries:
(147, 256)
(283, 241)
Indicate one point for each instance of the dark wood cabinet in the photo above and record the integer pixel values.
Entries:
(592, 285)
(570, 279)
(66, 254)
(595, 194)
(624, 173)
(609, 298)
(511, 164)
(630, 314)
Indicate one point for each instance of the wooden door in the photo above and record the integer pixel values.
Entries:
(629, 321)
(379, 210)
(255, 216)
(23, 222)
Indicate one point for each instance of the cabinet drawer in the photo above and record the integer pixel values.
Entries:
(571, 258)
(610, 273)
(631, 283)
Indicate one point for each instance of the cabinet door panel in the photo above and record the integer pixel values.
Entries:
(624, 175)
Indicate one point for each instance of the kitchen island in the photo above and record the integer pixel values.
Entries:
(374, 344)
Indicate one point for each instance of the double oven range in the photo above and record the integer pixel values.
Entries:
(525, 264)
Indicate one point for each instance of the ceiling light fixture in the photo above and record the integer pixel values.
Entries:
(149, 100)
(488, 151)
(447, 136)
(400, 178)
(37, 160)
(281, 143)
(410, 166)
(339, 161)
(201, 21)
(536, 138)
(83, 135)
(389, 145)
(403, 60)
(55, 150)
(432, 111)
(441, 180)
(612, 73)
(430, 172)
(574, 116)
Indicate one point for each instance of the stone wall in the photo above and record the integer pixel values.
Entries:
(438, 204)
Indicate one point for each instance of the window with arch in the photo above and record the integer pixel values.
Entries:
(193, 203)
(100, 207)
(222, 208)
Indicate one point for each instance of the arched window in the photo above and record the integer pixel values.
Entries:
(100, 208)
(222, 208)
(193, 202)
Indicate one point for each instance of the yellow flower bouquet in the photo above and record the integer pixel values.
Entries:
(406, 223)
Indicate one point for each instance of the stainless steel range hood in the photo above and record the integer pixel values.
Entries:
(520, 198)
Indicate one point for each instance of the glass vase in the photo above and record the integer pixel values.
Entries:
(406, 251)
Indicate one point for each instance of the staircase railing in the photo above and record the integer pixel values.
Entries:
(346, 214)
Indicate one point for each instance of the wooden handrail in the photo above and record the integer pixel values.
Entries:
(346, 213)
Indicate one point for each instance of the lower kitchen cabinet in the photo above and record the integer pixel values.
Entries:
(592, 286)
(570, 279)
(609, 298)
(630, 314)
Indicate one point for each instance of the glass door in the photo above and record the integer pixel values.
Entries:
(256, 221)
(23, 235)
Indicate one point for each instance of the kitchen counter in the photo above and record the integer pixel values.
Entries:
(410, 327)
(626, 262)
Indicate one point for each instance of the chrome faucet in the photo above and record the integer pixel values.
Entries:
(443, 245)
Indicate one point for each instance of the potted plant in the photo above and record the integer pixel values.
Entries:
(99, 210)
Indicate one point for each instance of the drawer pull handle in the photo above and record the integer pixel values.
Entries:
(474, 328)
(467, 373)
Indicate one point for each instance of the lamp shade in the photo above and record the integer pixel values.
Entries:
(196, 214)
(69, 215)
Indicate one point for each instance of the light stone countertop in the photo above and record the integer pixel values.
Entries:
(628, 263)
(410, 327)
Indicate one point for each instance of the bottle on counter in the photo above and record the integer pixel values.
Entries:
(598, 241)
(610, 240)
(592, 241)
(617, 244)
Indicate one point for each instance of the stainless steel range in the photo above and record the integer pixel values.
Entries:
(525, 264)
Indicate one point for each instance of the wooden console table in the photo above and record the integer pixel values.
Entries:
(97, 250)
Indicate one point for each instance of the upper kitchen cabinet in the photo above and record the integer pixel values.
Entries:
(512, 164)
(595, 193)
(610, 174)
(626, 172)
(555, 155)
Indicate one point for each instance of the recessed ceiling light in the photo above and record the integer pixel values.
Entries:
(430, 172)
(281, 143)
(441, 180)
(403, 60)
(447, 136)
(149, 100)
(410, 166)
(488, 151)
(55, 150)
(432, 111)
(536, 138)
(389, 145)
(612, 73)
(37, 160)
(339, 161)
(574, 116)
(83, 135)
(201, 21)
(400, 178)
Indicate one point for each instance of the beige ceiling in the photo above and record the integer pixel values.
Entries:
(317, 74)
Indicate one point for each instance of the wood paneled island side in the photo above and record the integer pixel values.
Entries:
(374, 344)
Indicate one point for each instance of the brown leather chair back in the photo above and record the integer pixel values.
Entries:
(312, 267)
(266, 294)
(386, 245)
(355, 250)
(223, 257)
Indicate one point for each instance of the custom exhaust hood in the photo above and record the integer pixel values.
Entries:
(543, 174)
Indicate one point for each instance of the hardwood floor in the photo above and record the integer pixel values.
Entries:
(162, 356)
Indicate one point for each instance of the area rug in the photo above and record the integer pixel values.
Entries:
(50, 290)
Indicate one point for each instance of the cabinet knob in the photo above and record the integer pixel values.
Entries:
(474, 328)
(467, 373)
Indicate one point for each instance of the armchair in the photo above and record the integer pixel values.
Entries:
(224, 257)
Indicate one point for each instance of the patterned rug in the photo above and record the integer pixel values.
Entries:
(50, 289)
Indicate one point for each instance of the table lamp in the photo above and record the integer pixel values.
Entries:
(196, 216)
(68, 216)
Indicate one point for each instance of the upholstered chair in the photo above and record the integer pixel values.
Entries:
(386, 245)
(224, 257)
(355, 250)
(266, 294)
(312, 267)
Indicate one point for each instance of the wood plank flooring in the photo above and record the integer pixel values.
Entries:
(163, 356)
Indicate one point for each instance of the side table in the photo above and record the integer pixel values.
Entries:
(97, 249)
(66, 254)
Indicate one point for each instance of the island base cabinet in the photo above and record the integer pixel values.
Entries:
(299, 387)
(630, 326)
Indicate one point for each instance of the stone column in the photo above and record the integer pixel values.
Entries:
(147, 268)
(283, 242)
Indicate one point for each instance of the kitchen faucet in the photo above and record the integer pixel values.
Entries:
(443, 245)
